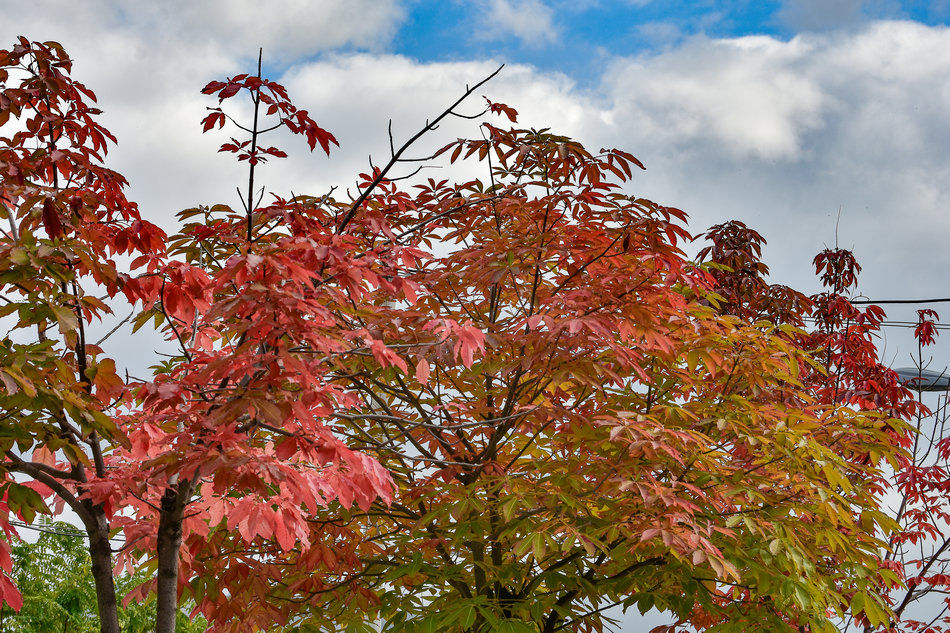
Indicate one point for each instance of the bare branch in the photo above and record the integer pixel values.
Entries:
(429, 126)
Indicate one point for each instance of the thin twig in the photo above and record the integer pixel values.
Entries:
(115, 329)
(429, 126)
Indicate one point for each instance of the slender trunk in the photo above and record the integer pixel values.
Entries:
(251, 205)
(100, 550)
(169, 542)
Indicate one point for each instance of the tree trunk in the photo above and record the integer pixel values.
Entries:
(169, 542)
(100, 551)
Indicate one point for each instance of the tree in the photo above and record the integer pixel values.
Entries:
(919, 550)
(577, 425)
(477, 406)
(68, 220)
(54, 577)
(55, 580)
(843, 341)
(225, 442)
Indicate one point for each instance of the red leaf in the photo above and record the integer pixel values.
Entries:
(470, 340)
(501, 108)
(284, 538)
(9, 593)
(213, 87)
(229, 91)
(386, 357)
(6, 562)
(273, 151)
(926, 331)
(316, 134)
(51, 221)
(215, 118)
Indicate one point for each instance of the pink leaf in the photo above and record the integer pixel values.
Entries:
(422, 371)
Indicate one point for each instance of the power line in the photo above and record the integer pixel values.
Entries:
(878, 301)
(49, 530)
(903, 324)
(52, 530)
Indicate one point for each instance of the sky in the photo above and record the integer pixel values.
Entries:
(816, 122)
(810, 120)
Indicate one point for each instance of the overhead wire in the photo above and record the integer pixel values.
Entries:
(910, 301)
(905, 324)
(896, 323)
(77, 533)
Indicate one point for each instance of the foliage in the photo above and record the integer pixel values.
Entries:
(54, 577)
(574, 428)
(500, 404)
(68, 220)
(919, 550)
(222, 440)
(843, 342)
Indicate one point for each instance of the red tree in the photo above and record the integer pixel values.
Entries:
(921, 548)
(224, 446)
(68, 220)
(595, 432)
(559, 412)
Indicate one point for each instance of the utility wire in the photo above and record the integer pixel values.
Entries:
(879, 301)
(904, 324)
(51, 530)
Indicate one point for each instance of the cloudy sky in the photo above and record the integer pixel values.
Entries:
(777, 112)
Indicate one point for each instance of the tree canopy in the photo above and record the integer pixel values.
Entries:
(504, 403)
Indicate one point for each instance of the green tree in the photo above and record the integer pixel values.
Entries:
(54, 575)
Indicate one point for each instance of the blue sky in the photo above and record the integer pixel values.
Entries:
(585, 33)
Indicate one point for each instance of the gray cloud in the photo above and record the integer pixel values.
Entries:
(783, 133)
(820, 15)
(287, 29)
(746, 95)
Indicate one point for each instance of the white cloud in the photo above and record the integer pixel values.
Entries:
(531, 21)
(148, 61)
(778, 134)
(392, 86)
(746, 94)
(290, 28)
(286, 29)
